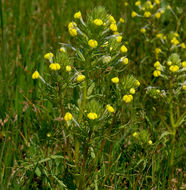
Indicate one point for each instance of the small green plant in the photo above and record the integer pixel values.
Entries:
(166, 64)
(88, 86)
(170, 91)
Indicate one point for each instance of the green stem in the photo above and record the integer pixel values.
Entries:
(62, 113)
(83, 176)
(173, 134)
(76, 150)
(172, 152)
(171, 114)
(93, 165)
(77, 144)
(82, 108)
(83, 103)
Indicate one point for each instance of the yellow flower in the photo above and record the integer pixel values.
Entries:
(55, 66)
(183, 64)
(184, 87)
(112, 20)
(138, 3)
(147, 14)
(150, 142)
(113, 27)
(168, 7)
(48, 56)
(158, 91)
(110, 108)
(121, 20)
(157, 64)
(164, 37)
(123, 49)
(149, 3)
(124, 60)
(92, 116)
(72, 25)
(157, 73)
(133, 14)
(115, 80)
(157, 50)
(98, 22)
(159, 35)
(93, 43)
(157, 2)
(77, 15)
(176, 34)
(132, 91)
(169, 63)
(183, 45)
(126, 4)
(174, 68)
(68, 116)
(174, 41)
(127, 98)
(158, 15)
(119, 39)
(137, 83)
(62, 49)
(142, 30)
(68, 68)
(73, 32)
(80, 78)
(48, 134)
(35, 75)
(135, 134)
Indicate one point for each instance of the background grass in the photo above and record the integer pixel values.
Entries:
(28, 30)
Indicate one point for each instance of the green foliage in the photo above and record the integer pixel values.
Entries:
(139, 145)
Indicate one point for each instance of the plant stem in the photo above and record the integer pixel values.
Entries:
(83, 104)
(93, 165)
(172, 122)
(77, 144)
(62, 113)
(84, 161)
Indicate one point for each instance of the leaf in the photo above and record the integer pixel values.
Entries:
(165, 134)
(90, 89)
(38, 172)
(80, 55)
(180, 120)
(59, 181)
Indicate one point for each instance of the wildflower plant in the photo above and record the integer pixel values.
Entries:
(164, 69)
(170, 92)
(88, 86)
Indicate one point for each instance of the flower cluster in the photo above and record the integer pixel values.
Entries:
(92, 116)
(130, 91)
(72, 28)
(110, 108)
(55, 66)
(87, 76)
(172, 66)
(147, 9)
(158, 67)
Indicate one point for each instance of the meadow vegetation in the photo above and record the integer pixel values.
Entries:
(92, 94)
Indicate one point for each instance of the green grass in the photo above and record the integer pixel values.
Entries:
(28, 30)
